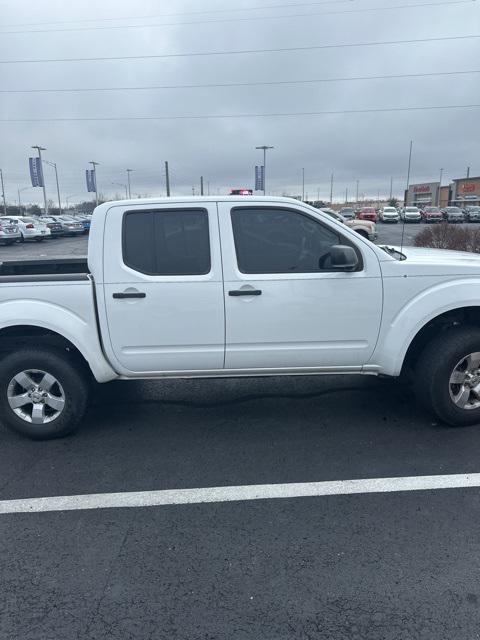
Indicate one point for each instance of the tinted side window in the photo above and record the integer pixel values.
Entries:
(174, 242)
(280, 241)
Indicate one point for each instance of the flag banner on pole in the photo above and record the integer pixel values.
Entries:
(259, 178)
(36, 172)
(90, 175)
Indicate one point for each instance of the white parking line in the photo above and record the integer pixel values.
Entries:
(239, 493)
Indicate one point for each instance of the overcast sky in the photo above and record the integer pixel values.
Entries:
(369, 147)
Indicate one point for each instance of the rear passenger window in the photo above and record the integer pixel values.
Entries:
(171, 242)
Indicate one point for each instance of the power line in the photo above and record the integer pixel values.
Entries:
(244, 115)
(246, 84)
(241, 51)
(246, 19)
(183, 13)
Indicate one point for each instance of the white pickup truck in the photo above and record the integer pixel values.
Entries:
(226, 286)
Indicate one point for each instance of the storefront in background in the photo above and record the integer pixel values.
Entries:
(423, 195)
(466, 191)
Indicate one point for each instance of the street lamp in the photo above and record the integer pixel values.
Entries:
(3, 194)
(129, 171)
(73, 195)
(40, 149)
(19, 200)
(440, 187)
(120, 184)
(264, 148)
(54, 165)
(94, 165)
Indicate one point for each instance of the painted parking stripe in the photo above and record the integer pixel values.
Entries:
(238, 493)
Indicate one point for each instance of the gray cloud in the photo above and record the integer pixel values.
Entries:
(367, 147)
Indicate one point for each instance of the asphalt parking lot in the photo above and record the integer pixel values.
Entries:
(379, 566)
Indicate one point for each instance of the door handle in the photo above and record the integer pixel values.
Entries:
(136, 294)
(245, 292)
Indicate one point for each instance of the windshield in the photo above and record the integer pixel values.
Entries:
(432, 209)
(411, 209)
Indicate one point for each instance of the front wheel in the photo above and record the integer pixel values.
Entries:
(43, 393)
(447, 376)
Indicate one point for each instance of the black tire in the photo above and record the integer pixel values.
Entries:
(39, 239)
(434, 368)
(68, 371)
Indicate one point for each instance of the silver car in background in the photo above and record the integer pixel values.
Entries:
(411, 214)
(453, 214)
(9, 231)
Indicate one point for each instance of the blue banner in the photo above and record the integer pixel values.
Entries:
(91, 182)
(36, 172)
(259, 178)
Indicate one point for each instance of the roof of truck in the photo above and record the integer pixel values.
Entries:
(197, 199)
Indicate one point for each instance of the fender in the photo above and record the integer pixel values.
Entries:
(396, 337)
(82, 334)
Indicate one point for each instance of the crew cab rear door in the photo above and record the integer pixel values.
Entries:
(285, 308)
(163, 293)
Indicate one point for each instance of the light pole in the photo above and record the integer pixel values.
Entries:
(3, 194)
(120, 184)
(40, 149)
(439, 187)
(303, 184)
(19, 199)
(331, 188)
(94, 165)
(391, 187)
(54, 165)
(129, 171)
(264, 148)
(358, 182)
(73, 195)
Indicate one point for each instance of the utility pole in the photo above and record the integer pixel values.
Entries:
(468, 173)
(346, 195)
(129, 171)
(167, 179)
(358, 182)
(391, 187)
(331, 189)
(3, 194)
(409, 166)
(264, 147)
(54, 165)
(439, 187)
(201, 185)
(303, 184)
(40, 149)
(94, 165)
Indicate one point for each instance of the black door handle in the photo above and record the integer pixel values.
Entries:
(137, 294)
(245, 292)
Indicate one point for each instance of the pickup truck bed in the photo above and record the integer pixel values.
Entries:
(56, 269)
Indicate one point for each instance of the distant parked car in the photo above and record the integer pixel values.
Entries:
(367, 213)
(472, 214)
(9, 231)
(85, 220)
(365, 228)
(54, 226)
(31, 228)
(411, 214)
(432, 214)
(389, 214)
(70, 226)
(347, 212)
(453, 214)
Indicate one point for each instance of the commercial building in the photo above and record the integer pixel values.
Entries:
(465, 191)
(423, 195)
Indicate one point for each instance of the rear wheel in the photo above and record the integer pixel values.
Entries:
(43, 393)
(447, 376)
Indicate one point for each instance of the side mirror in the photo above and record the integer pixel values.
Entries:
(343, 257)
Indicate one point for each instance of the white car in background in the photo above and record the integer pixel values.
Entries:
(31, 228)
(9, 232)
(411, 214)
(389, 214)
